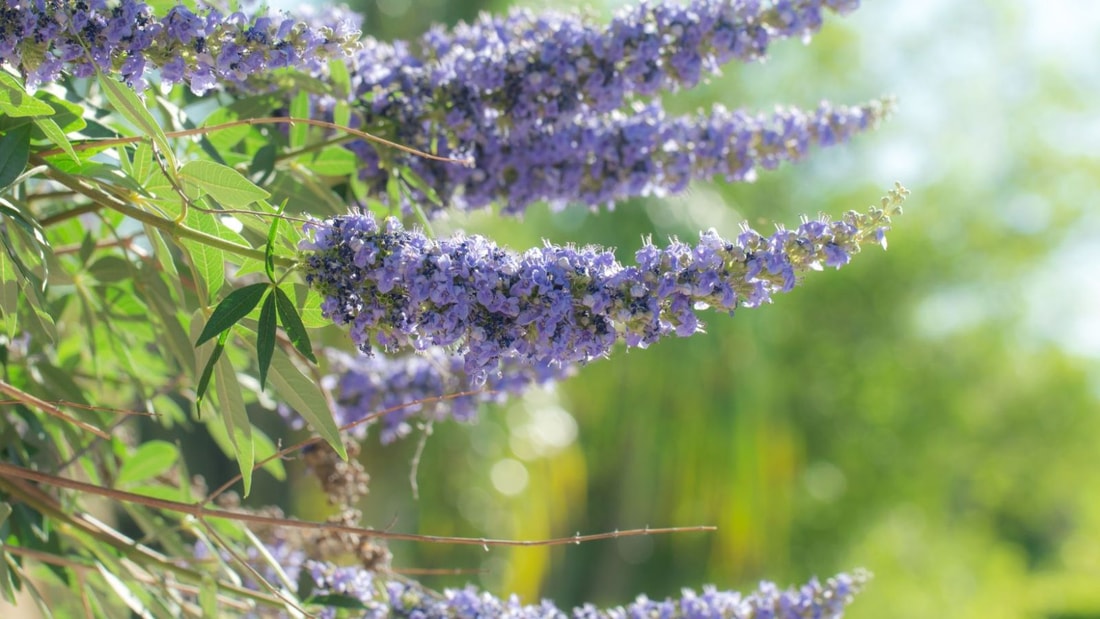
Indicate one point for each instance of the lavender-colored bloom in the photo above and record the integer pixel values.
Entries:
(399, 598)
(364, 385)
(555, 306)
(204, 49)
(603, 159)
(542, 103)
(538, 69)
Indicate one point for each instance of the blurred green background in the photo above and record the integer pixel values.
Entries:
(929, 413)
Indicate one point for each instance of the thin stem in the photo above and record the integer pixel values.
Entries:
(177, 230)
(72, 524)
(198, 511)
(57, 218)
(270, 120)
(49, 409)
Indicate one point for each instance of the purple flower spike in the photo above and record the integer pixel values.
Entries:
(412, 383)
(550, 106)
(555, 306)
(205, 49)
(398, 598)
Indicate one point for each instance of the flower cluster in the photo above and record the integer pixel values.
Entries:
(556, 306)
(432, 384)
(547, 105)
(398, 598)
(204, 49)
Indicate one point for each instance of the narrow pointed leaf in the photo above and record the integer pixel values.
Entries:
(227, 185)
(235, 306)
(269, 249)
(235, 417)
(57, 136)
(15, 102)
(293, 326)
(15, 149)
(126, 102)
(265, 337)
(304, 395)
(207, 372)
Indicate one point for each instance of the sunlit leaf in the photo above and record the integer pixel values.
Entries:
(299, 108)
(126, 102)
(233, 307)
(226, 185)
(293, 326)
(304, 395)
(15, 102)
(152, 458)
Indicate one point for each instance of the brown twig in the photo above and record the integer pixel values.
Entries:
(44, 406)
(198, 511)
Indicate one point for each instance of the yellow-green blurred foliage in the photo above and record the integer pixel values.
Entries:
(929, 412)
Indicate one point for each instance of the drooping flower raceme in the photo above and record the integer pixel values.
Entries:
(601, 160)
(548, 105)
(556, 305)
(527, 70)
(409, 386)
(204, 49)
(398, 598)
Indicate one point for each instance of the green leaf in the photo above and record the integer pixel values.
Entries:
(152, 458)
(299, 108)
(68, 116)
(110, 269)
(208, 595)
(310, 307)
(339, 77)
(126, 102)
(293, 326)
(235, 417)
(57, 136)
(123, 592)
(412, 179)
(227, 185)
(263, 162)
(332, 162)
(15, 102)
(209, 262)
(207, 372)
(15, 149)
(235, 306)
(269, 249)
(265, 337)
(304, 395)
(341, 113)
